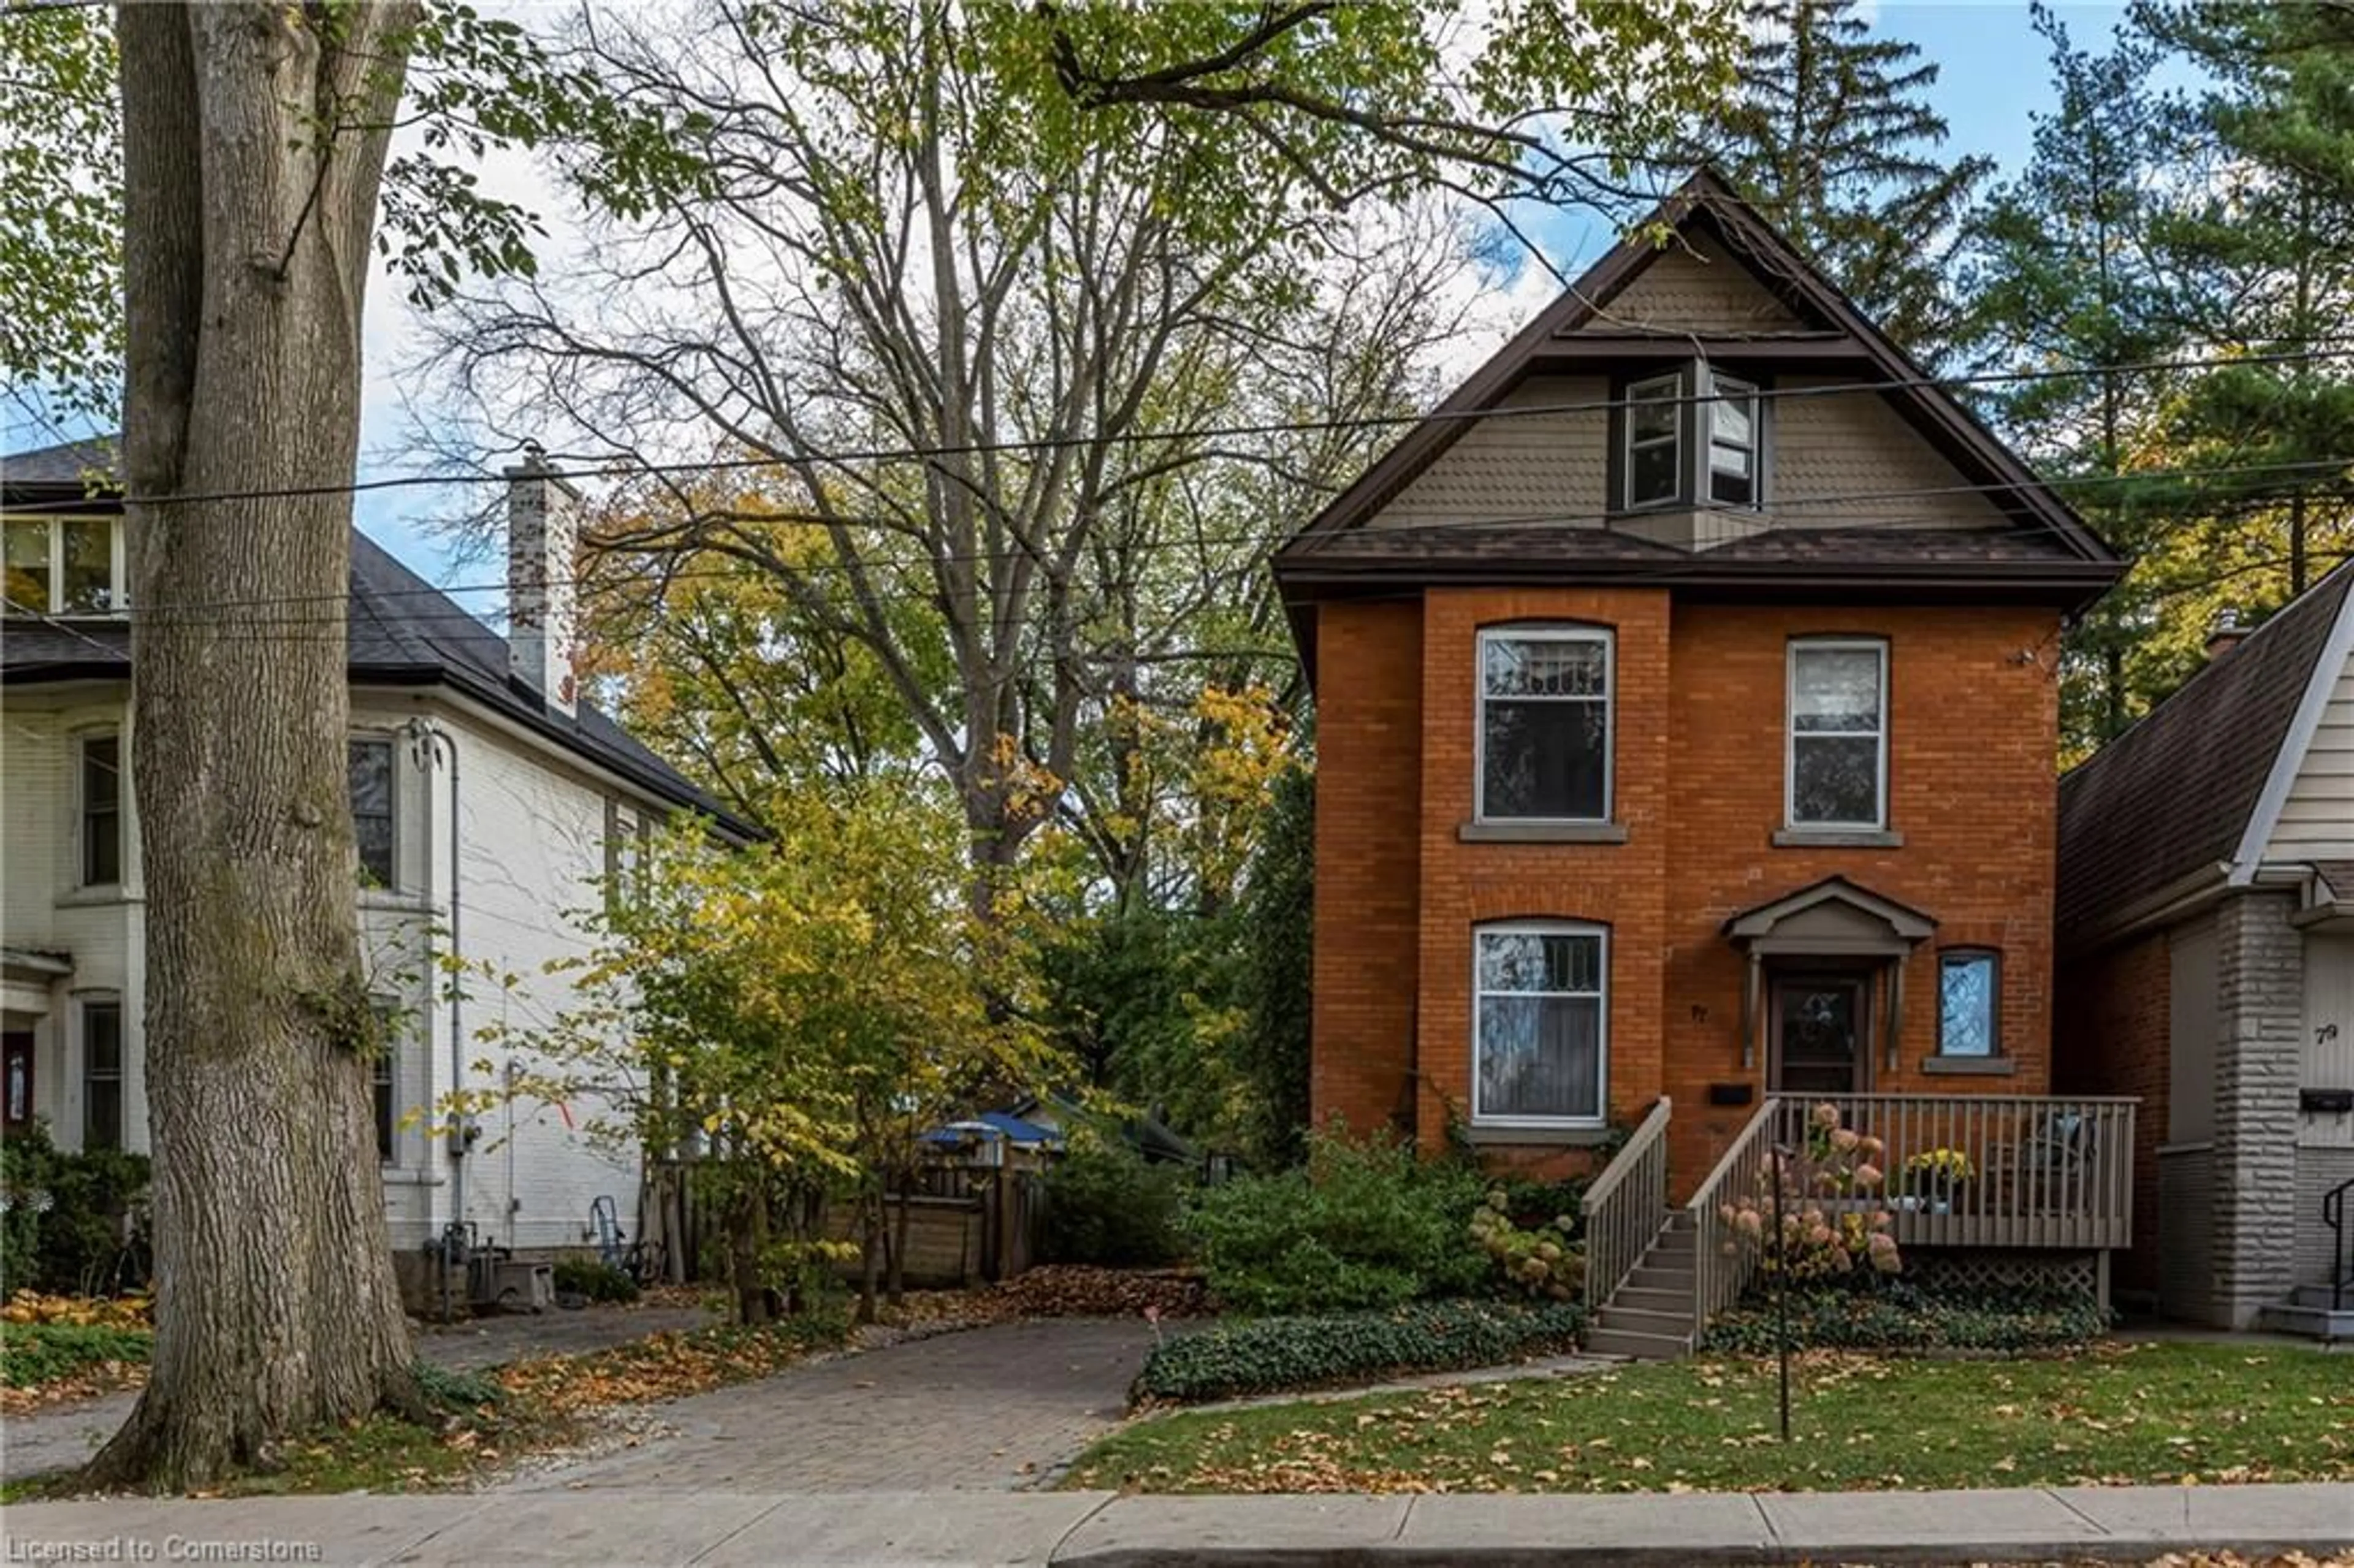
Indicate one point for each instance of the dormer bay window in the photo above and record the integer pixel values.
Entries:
(1688, 437)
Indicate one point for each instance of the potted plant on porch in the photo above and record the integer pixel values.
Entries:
(1933, 1180)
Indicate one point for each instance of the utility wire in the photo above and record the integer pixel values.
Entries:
(611, 467)
(1787, 515)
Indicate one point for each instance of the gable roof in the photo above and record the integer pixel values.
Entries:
(2048, 542)
(403, 632)
(2177, 795)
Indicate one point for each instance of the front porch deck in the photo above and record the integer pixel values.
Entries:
(1998, 1172)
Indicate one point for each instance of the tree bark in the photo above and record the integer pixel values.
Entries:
(247, 216)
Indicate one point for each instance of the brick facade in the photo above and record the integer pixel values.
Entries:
(2112, 1037)
(1698, 762)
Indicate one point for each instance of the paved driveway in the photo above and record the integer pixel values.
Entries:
(993, 1409)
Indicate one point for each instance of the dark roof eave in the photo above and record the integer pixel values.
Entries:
(2068, 581)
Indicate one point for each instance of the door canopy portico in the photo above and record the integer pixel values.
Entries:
(1833, 921)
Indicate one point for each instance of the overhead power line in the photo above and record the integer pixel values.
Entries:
(611, 467)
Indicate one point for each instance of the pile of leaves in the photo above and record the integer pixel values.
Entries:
(671, 1365)
(1900, 1317)
(1365, 1225)
(1275, 1355)
(56, 1348)
(100, 1311)
(1069, 1290)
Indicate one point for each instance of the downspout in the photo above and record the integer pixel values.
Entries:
(434, 744)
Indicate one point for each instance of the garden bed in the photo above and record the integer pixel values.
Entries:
(1286, 1355)
(1896, 1316)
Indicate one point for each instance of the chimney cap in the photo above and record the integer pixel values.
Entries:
(2224, 632)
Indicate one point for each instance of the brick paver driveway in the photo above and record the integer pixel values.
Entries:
(991, 1409)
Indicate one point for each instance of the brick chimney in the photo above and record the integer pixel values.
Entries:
(543, 542)
(2226, 634)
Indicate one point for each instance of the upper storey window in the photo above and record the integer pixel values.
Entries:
(1691, 436)
(1544, 724)
(62, 565)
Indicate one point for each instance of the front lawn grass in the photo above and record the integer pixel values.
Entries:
(2115, 1415)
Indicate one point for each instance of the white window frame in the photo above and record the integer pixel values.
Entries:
(1965, 953)
(1679, 395)
(118, 591)
(393, 1018)
(82, 834)
(1609, 639)
(1724, 389)
(391, 743)
(1601, 934)
(1878, 647)
(84, 1002)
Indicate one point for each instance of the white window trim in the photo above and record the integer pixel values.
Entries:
(1724, 389)
(1609, 699)
(81, 741)
(118, 584)
(1678, 401)
(1876, 646)
(1601, 1023)
(390, 739)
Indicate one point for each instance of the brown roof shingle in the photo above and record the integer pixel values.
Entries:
(2174, 793)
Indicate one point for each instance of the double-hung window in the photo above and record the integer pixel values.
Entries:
(1544, 724)
(383, 1074)
(1539, 1026)
(102, 811)
(1692, 436)
(371, 792)
(62, 565)
(1839, 735)
(102, 1075)
(1968, 1018)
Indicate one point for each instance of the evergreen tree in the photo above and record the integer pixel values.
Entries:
(2063, 275)
(1831, 137)
(2263, 236)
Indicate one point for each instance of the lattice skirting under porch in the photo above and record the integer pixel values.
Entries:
(1962, 1270)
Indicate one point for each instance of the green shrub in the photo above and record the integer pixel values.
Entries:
(32, 1354)
(1365, 1225)
(62, 1215)
(454, 1390)
(1105, 1206)
(1902, 1316)
(1538, 1261)
(1275, 1355)
(594, 1278)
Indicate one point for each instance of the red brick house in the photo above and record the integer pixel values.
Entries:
(1687, 727)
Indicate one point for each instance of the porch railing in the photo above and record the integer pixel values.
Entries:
(2004, 1171)
(2033, 1170)
(1625, 1205)
(1721, 1266)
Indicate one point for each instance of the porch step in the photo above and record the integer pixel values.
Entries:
(1657, 1277)
(2312, 1322)
(1655, 1298)
(1637, 1347)
(2318, 1296)
(1673, 1325)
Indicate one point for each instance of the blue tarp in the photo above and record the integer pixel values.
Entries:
(994, 1125)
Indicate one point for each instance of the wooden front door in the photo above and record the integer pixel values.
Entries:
(1819, 1027)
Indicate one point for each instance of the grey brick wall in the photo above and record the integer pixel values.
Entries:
(2259, 995)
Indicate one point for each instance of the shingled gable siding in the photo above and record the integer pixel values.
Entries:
(1856, 444)
(1520, 467)
(2111, 1035)
(1698, 790)
(1368, 790)
(1695, 285)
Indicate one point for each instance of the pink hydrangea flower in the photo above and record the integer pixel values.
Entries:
(1873, 1147)
(1827, 1114)
(1867, 1175)
(1844, 1139)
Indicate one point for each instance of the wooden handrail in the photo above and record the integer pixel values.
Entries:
(1720, 1268)
(1625, 1205)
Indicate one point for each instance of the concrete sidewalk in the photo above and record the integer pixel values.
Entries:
(1103, 1531)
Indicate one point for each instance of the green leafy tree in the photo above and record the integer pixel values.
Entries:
(60, 226)
(1831, 135)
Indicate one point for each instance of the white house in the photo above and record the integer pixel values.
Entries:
(486, 798)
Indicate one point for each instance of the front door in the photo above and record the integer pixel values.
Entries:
(1818, 1032)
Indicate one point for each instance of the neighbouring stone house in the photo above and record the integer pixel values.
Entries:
(487, 799)
(1687, 731)
(2206, 927)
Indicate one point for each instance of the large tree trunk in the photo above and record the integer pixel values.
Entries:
(246, 233)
